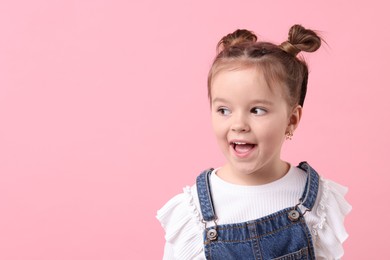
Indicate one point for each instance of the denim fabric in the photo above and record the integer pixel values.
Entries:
(282, 235)
(204, 195)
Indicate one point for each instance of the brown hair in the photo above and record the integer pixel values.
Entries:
(279, 63)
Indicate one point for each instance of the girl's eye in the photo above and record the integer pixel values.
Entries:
(258, 111)
(223, 111)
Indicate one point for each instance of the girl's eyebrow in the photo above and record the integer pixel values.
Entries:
(256, 101)
(262, 101)
(222, 100)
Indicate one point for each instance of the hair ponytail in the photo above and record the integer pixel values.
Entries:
(301, 39)
(238, 37)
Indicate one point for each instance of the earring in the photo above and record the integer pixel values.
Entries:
(289, 135)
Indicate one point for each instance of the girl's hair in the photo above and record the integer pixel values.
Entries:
(279, 63)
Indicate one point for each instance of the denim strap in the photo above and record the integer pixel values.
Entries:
(204, 195)
(308, 198)
(309, 195)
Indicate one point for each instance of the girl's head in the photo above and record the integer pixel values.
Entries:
(256, 92)
(280, 63)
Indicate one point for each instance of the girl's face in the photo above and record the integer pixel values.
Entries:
(250, 122)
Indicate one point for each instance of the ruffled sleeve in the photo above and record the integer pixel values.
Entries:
(183, 227)
(326, 220)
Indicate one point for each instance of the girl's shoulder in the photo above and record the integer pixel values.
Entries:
(183, 225)
(326, 220)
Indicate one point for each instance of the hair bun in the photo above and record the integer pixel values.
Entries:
(301, 39)
(239, 36)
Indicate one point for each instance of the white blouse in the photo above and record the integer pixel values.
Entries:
(181, 217)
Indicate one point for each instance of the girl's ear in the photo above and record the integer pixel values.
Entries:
(295, 118)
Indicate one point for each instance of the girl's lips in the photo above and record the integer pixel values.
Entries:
(242, 149)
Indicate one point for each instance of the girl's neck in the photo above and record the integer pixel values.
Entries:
(264, 175)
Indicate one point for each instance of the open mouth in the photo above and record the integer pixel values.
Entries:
(241, 147)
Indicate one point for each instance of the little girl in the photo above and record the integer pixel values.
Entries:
(257, 206)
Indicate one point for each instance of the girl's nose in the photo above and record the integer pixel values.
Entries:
(240, 125)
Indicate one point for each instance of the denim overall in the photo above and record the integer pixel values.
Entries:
(282, 235)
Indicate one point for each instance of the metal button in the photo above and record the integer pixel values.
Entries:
(212, 234)
(294, 215)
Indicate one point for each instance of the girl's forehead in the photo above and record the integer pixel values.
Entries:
(242, 82)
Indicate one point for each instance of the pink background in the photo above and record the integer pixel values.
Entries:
(104, 116)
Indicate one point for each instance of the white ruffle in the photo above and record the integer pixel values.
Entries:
(183, 227)
(181, 219)
(327, 220)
